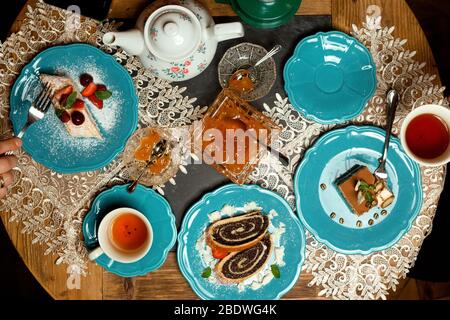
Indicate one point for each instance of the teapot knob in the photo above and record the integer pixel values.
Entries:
(171, 29)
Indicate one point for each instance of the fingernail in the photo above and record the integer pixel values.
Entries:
(18, 143)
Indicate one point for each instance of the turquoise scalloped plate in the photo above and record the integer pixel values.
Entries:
(330, 77)
(154, 207)
(47, 140)
(196, 220)
(317, 196)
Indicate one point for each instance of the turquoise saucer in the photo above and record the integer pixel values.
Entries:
(330, 77)
(149, 203)
(324, 212)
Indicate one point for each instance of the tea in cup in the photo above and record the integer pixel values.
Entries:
(425, 135)
(125, 235)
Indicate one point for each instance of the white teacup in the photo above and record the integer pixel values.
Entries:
(441, 112)
(110, 248)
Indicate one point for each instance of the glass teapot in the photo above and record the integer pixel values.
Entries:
(176, 41)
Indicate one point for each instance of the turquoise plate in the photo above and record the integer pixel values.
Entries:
(330, 77)
(318, 197)
(149, 203)
(47, 141)
(196, 220)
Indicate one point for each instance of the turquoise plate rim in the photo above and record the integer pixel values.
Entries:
(133, 116)
(314, 232)
(303, 110)
(203, 200)
(169, 213)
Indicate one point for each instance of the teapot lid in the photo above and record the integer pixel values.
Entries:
(264, 13)
(172, 32)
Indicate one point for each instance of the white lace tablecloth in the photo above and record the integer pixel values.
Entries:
(51, 206)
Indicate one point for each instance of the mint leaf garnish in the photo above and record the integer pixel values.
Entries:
(275, 271)
(70, 100)
(368, 196)
(367, 191)
(59, 112)
(103, 94)
(363, 184)
(206, 272)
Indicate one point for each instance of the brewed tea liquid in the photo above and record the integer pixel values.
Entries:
(427, 136)
(129, 232)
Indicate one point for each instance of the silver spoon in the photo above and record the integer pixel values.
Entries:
(158, 150)
(392, 98)
(269, 54)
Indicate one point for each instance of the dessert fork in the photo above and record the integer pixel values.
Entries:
(392, 98)
(37, 110)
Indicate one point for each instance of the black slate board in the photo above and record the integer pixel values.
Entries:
(201, 178)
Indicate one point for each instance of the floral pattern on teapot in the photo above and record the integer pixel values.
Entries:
(181, 70)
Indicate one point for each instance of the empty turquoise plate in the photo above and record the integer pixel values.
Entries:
(196, 221)
(47, 140)
(149, 203)
(323, 210)
(330, 77)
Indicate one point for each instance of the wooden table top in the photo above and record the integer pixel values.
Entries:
(168, 282)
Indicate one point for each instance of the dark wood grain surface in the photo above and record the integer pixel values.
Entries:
(168, 282)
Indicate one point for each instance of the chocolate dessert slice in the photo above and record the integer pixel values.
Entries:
(239, 232)
(347, 184)
(238, 266)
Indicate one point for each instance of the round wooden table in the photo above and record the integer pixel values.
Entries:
(167, 282)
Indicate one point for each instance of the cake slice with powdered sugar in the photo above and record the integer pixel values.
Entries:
(70, 107)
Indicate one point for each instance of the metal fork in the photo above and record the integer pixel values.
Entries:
(38, 108)
(37, 111)
(392, 101)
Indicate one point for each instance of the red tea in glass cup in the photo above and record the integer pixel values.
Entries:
(425, 135)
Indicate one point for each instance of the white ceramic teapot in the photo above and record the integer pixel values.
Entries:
(176, 41)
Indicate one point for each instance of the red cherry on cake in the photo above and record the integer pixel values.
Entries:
(65, 117)
(78, 104)
(77, 118)
(101, 87)
(86, 79)
(63, 99)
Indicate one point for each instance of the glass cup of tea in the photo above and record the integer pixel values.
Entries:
(425, 135)
(125, 235)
